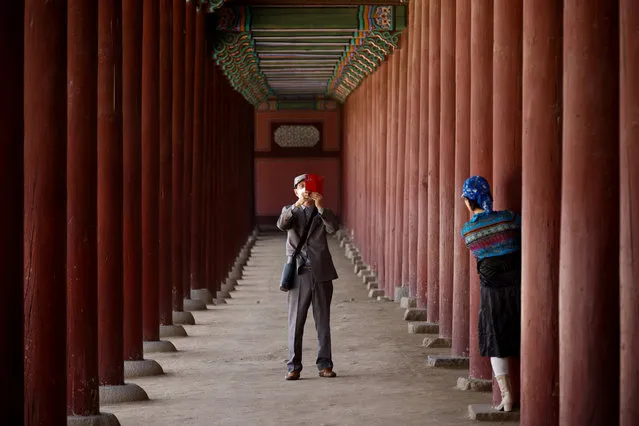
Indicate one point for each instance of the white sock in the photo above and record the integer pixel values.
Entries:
(500, 366)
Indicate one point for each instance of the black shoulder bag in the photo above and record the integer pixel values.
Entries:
(288, 274)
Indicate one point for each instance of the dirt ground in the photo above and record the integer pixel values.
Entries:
(230, 370)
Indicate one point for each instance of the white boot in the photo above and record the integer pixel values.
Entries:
(506, 393)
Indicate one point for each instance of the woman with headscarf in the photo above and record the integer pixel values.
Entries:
(494, 238)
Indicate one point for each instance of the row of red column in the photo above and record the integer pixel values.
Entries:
(127, 130)
(542, 99)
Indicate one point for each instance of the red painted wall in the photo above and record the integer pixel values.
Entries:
(274, 174)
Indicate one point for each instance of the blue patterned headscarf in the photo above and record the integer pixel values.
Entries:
(476, 188)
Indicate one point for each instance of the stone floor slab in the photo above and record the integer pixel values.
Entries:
(243, 346)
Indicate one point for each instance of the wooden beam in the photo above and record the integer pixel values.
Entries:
(332, 3)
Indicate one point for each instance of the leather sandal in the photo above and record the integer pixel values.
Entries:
(327, 372)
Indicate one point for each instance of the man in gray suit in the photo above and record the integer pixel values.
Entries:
(313, 282)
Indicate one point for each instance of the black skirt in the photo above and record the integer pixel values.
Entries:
(500, 305)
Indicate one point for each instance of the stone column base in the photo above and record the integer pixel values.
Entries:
(172, 331)
(366, 271)
(486, 413)
(220, 301)
(227, 287)
(158, 346)
(128, 392)
(422, 327)
(448, 361)
(408, 302)
(437, 342)
(374, 294)
(191, 305)
(184, 318)
(102, 419)
(372, 285)
(415, 314)
(202, 294)
(366, 279)
(223, 294)
(142, 368)
(477, 385)
(401, 292)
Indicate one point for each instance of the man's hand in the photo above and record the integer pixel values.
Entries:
(318, 200)
(301, 199)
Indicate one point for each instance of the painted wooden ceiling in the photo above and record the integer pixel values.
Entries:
(303, 51)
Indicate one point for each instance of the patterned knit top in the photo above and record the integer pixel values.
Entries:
(493, 234)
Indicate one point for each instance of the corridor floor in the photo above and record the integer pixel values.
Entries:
(230, 370)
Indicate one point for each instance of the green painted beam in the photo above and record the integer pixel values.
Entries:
(318, 2)
(304, 17)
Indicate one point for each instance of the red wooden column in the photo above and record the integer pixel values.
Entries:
(177, 182)
(404, 161)
(131, 116)
(11, 215)
(169, 281)
(402, 74)
(462, 171)
(481, 133)
(166, 152)
(541, 201)
(447, 234)
(208, 137)
(391, 281)
(506, 185)
(134, 362)
(382, 100)
(198, 287)
(434, 84)
(110, 256)
(629, 156)
(422, 195)
(188, 154)
(151, 180)
(388, 118)
(413, 151)
(82, 294)
(45, 90)
(222, 164)
(588, 289)
(189, 63)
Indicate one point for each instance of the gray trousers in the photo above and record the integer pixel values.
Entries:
(305, 292)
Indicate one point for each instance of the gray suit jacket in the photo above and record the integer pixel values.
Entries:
(293, 220)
